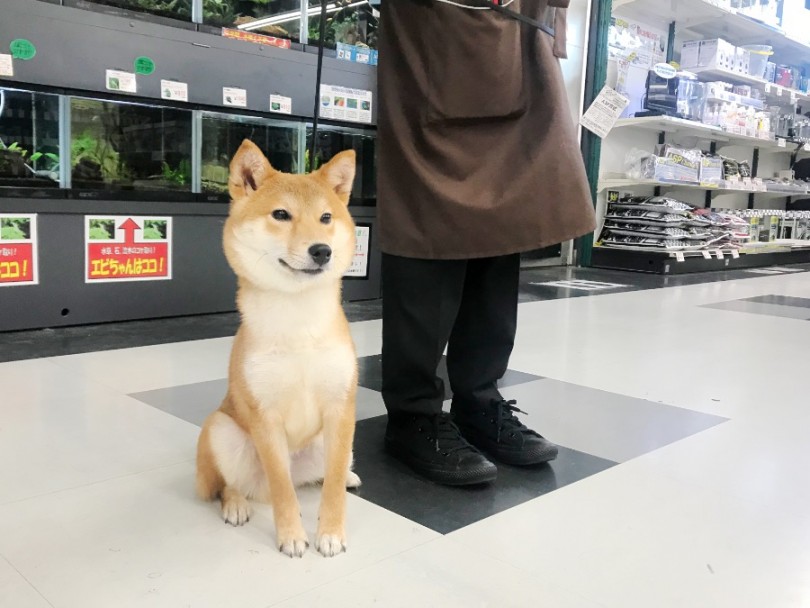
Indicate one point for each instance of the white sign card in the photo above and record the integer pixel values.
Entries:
(236, 98)
(341, 103)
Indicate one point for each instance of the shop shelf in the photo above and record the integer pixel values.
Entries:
(172, 9)
(352, 23)
(774, 92)
(279, 18)
(120, 147)
(665, 262)
(627, 183)
(332, 140)
(706, 20)
(222, 134)
(29, 140)
(691, 128)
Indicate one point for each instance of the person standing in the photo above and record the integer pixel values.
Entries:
(478, 162)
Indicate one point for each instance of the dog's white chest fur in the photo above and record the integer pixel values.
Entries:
(296, 362)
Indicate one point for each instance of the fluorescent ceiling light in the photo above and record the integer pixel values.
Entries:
(295, 15)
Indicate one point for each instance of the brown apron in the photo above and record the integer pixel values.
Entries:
(478, 156)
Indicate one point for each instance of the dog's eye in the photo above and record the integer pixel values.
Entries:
(281, 215)
(326, 218)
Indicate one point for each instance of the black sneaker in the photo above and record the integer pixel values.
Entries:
(433, 447)
(497, 431)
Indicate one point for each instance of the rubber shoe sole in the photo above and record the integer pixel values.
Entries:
(480, 475)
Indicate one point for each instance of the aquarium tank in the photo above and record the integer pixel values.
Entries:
(350, 22)
(333, 140)
(29, 139)
(173, 9)
(120, 146)
(278, 18)
(222, 134)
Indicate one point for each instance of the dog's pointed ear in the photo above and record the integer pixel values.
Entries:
(249, 170)
(339, 174)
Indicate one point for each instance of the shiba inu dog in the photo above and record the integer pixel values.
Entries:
(289, 413)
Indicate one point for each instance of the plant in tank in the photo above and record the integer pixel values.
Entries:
(180, 175)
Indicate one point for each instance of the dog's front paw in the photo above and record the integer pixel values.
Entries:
(330, 544)
(294, 542)
(353, 480)
(236, 510)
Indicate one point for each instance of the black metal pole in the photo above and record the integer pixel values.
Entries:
(318, 76)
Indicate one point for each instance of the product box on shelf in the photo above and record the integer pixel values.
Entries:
(711, 171)
(742, 63)
(710, 54)
(768, 228)
(674, 164)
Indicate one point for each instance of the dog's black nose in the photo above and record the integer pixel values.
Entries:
(320, 253)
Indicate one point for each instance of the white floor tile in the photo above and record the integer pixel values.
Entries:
(630, 539)
(58, 431)
(146, 368)
(441, 574)
(660, 345)
(16, 592)
(755, 462)
(145, 540)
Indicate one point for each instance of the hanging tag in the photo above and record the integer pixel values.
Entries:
(707, 254)
(735, 254)
(604, 112)
(679, 256)
(718, 254)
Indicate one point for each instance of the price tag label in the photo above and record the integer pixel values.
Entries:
(807, 147)
(118, 80)
(768, 88)
(176, 91)
(604, 112)
(6, 65)
(718, 254)
(679, 256)
(707, 255)
(735, 254)
(782, 143)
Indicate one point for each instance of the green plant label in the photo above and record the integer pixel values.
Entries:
(22, 49)
(144, 65)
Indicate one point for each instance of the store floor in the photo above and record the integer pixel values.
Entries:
(680, 405)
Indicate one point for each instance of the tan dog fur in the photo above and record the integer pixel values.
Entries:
(288, 417)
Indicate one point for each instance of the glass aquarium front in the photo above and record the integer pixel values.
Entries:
(278, 18)
(29, 139)
(129, 147)
(173, 9)
(333, 140)
(349, 22)
(222, 134)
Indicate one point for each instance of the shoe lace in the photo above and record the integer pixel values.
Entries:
(506, 419)
(446, 436)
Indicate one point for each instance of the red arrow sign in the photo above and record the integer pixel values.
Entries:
(129, 227)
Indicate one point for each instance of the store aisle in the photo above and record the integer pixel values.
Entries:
(682, 479)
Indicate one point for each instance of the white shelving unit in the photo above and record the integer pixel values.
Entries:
(694, 20)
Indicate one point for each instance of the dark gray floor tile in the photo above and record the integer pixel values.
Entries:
(371, 375)
(608, 425)
(758, 308)
(395, 487)
(780, 300)
(193, 402)
(190, 402)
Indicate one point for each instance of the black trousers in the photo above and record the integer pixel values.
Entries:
(470, 306)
